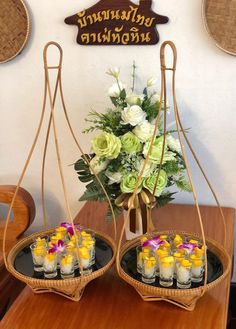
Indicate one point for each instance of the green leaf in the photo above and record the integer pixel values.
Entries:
(123, 94)
(164, 199)
(183, 185)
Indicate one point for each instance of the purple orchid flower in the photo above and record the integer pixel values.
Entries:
(59, 247)
(153, 243)
(188, 246)
(69, 228)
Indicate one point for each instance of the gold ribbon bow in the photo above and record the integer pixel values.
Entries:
(144, 201)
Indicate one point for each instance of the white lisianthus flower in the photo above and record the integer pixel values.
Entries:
(173, 144)
(144, 131)
(98, 164)
(155, 98)
(151, 82)
(115, 72)
(149, 168)
(134, 99)
(115, 89)
(114, 177)
(133, 115)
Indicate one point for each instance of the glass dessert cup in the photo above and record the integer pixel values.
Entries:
(149, 269)
(141, 253)
(197, 268)
(50, 265)
(166, 271)
(183, 274)
(159, 254)
(67, 266)
(38, 254)
(85, 258)
(90, 244)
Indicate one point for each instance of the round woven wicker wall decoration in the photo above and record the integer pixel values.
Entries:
(14, 27)
(220, 21)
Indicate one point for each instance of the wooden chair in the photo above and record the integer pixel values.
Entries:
(23, 215)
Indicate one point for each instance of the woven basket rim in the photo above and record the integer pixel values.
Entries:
(174, 292)
(29, 24)
(211, 35)
(53, 283)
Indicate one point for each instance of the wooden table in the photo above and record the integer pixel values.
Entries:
(110, 303)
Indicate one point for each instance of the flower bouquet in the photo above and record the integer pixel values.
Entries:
(122, 145)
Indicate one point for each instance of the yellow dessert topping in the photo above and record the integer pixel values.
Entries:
(143, 239)
(61, 230)
(186, 263)
(86, 234)
(178, 240)
(40, 242)
(178, 254)
(196, 260)
(39, 251)
(50, 257)
(84, 252)
(55, 238)
(163, 236)
(167, 261)
(198, 252)
(193, 241)
(161, 253)
(150, 262)
(88, 243)
(67, 260)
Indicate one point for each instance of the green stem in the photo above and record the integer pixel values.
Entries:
(133, 75)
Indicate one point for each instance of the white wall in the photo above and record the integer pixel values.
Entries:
(205, 89)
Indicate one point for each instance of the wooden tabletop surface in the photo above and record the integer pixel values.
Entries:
(110, 303)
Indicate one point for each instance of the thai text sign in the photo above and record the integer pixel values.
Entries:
(117, 22)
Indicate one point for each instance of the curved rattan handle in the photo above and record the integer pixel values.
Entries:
(163, 56)
(45, 55)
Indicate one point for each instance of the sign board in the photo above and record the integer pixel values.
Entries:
(117, 22)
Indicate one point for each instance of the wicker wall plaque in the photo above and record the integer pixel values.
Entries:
(14, 28)
(220, 21)
(117, 22)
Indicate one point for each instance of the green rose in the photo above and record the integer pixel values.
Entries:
(130, 143)
(106, 145)
(149, 183)
(156, 151)
(129, 183)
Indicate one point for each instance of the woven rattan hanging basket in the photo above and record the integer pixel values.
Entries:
(184, 298)
(14, 27)
(70, 288)
(219, 17)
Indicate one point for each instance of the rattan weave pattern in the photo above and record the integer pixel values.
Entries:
(220, 20)
(14, 28)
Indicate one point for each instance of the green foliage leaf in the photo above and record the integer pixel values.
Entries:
(164, 199)
(183, 185)
(123, 94)
(171, 167)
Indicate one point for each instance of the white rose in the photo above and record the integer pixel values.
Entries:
(144, 131)
(133, 115)
(115, 89)
(173, 144)
(114, 177)
(134, 99)
(98, 164)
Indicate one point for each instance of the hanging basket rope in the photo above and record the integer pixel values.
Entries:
(183, 298)
(70, 288)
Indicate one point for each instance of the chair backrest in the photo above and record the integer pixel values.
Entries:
(23, 211)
